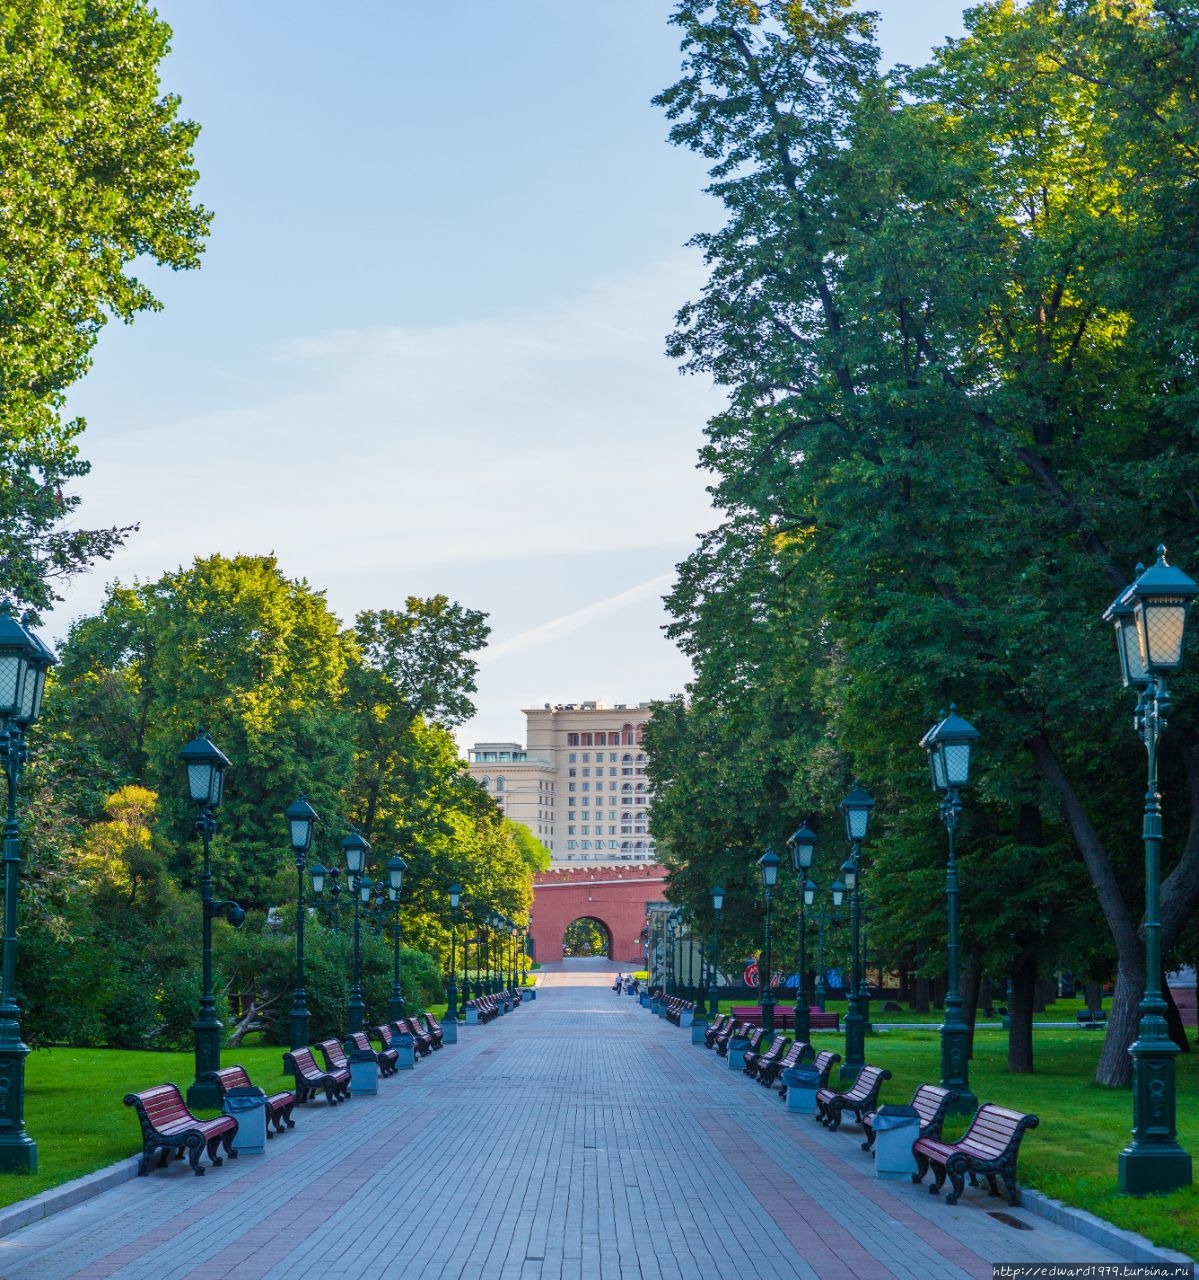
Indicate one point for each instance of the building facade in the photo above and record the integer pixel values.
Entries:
(579, 784)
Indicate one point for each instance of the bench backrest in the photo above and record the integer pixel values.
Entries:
(868, 1083)
(383, 1034)
(334, 1052)
(360, 1040)
(995, 1130)
(931, 1101)
(306, 1064)
(160, 1105)
(756, 1036)
(234, 1077)
(795, 1055)
(777, 1045)
(826, 1060)
(431, 1022)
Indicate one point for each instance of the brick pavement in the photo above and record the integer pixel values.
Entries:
(577, 1138)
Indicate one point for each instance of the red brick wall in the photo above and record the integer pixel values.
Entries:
(615, 896)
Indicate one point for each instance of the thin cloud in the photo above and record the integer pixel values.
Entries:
(548, 632)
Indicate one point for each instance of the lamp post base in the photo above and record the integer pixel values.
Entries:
(1153, 1170)
(395, 1008)
(855, 1047)
(954, 1067)
(354, 1012)
(18, 1151)
(299, 1028)
(203, 1095)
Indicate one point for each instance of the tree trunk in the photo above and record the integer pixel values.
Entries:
(1024, 986)
(1092, 993)
(986, 996)
(920, 999)
(970, 976)
(251, 1020)
(1115, 1066)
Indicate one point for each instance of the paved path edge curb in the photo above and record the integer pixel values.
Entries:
(1128, 1244)
(15, 1216)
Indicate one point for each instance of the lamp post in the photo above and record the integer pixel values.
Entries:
(717, 896)
(395, 883)
(301, 819)
(1150, 618)
(206, 767)
(949, 743)
(355, 849)
(24, 662)
(856, 807)
(768, 865)
(451, 1013)
(802, 843)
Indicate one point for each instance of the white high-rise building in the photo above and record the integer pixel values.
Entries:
(580, 784)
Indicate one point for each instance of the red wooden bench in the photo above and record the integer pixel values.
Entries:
(433, 1030)
(784, 1017)
(931, 1102)
(990, 1147)
(301, 1066)
(167, 1125)
(278, 1105)
(860, 1097)
(421, 1038)
(755, 1061)
(769, 1072)
(824, 1062)
(386, 1058)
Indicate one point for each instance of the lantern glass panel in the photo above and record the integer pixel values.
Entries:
(849, 873)
(200, 781)
(1132, 665)
(12, 675)
(365, 885)
(717, 898)
(957, 762)
(838, 893)
(29, 694)
(1160, 629)
(301, 834)
(809, 893)
(395, 872)
(318, 874)
(857, 821)
(936, 760)
(455, 896)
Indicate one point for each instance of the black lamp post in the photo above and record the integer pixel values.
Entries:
(768, 865)
(451, 1014)
(205, 783)
(948, 744)
(301, 819)
(717, 895)
(802, 843)
(24, 661)
(395, 883)
(355, 849)
(856, 807)
(1150, 618)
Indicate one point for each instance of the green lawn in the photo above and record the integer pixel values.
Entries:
(74, 1112)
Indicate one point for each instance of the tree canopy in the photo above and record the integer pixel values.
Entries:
(953, 309)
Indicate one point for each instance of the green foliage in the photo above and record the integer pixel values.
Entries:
(961, 388)
(98, 172)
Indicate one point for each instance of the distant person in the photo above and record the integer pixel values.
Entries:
(616, 986)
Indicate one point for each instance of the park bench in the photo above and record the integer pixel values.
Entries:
(484, 1006)
(860, 1097)
(167, 1125)
(775, 1050)
(422, 1041)
(989, 1147)
(278, 1105)
(386, 1058)
(676, 1007)
(722, 1021)
(784, 1017)
(1091, 1018)
(433, 1030)
(931, 1102)
(735, 1030)
(769, 1072)
(301, 1066)
(824, 1063)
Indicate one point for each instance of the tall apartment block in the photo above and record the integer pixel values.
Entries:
(579, 784)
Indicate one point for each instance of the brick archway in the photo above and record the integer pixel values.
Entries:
(615, 896)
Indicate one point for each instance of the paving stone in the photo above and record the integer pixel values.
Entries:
(577, 1137)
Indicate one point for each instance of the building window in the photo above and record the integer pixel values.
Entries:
(586, 831)
(484, 783)
(572, 844)
(570, 786)
(572, 757)
(572, 740)
(570, 800)
(586, 772)
(586, 844)
(586, 786)
(571, 772)
(499, 783)
(570, 831)
(585, 740)
(601, 739)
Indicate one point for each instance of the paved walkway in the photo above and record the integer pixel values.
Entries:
(577, 1137)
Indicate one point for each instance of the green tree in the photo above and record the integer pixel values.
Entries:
(955, 416)
(97, 173)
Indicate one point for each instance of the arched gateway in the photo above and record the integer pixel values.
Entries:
(613, 896)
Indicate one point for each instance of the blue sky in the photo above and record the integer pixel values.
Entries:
(425, 348)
